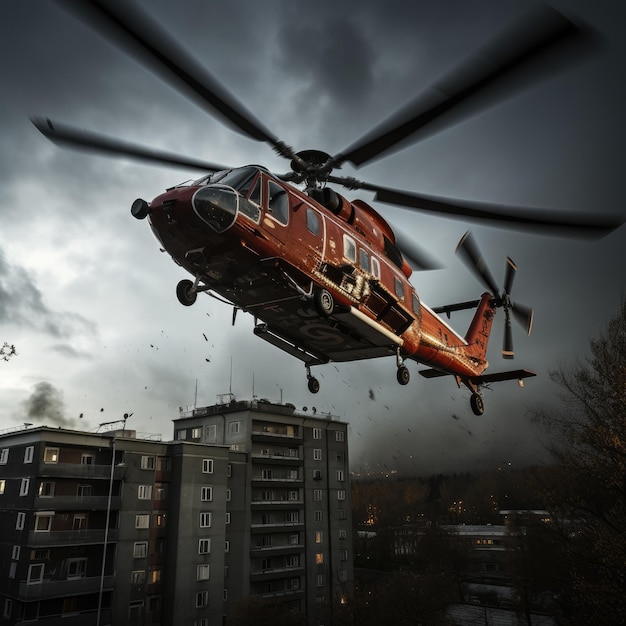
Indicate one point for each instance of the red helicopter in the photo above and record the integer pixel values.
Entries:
(326, 278)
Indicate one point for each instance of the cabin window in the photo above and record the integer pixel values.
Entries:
(349, 248)
(312, 222)
(398, 287)
(416, 305)
(375, 267)
(278, 203)
(255, 194)
(364, 260)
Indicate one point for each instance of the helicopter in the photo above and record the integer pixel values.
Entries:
(326, 278)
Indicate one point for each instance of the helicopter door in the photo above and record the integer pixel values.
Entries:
(276, 205)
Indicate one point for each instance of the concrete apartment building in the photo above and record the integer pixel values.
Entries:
(250, 498)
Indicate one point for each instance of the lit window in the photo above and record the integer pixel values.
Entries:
(2, 485)
(319, 558)
(50, 455)
(319, 537)
(155, 576)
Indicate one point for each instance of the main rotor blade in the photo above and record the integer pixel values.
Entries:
(64, 135)
(469, 252)
(139, 35)
(544, 36)
(418, 258)
(546, 221)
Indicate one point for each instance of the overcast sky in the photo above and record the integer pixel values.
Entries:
(89, 301)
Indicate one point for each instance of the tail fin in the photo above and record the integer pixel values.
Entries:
(477, 335)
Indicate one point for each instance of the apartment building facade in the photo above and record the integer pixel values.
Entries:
(114, 529)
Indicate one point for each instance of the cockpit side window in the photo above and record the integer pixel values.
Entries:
(255, 194)
(278, 203)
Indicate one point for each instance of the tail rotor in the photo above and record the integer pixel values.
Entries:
(469, 252)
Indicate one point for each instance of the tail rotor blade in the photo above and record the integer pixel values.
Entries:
(511, 268)
(523, 315)
(469, 252)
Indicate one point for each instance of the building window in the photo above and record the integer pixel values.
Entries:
(341, 494)
(201, 622)
(293, 539)
(292, 517)
(83, 491)
(319, 558)
(154, 604)
(204, 546)
(160, 492)
(24, 486)
(229, 470)
(147, 462)
(206, 494)
(227, 518)
(144, 492)
(28, 454)
(140, 549)
(227, 546)
(3, 484)
(19, 522)
(292, 560)
(319, 580)
(203, 571)
(155, 576)
(43, 523)
(87, 459)
(8, 607)
(266, 474)
(51, 455)
(4, 455)
(163, 464)
(202, 599)
(205, 519)
(317, 516)
(340, 435)
(317, 495)
(181, 434)
(79, 521)
(35, 573)
(46, 489)
(343, 533)
(317, 433)
(196, 433)
(341, 514)
(40, 555)
(211, 433)
(135, 609)
(317, 454)
(319, 536)
(160, 520)
(76, 568)
(207, 466)
(12, 569)
(343, 575)
(229, 494)
(343, 555)
(15, 554)
(340, 476)
(234, 427)
(142, 521)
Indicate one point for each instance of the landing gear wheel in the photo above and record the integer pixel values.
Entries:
(313, 384)
(324, 302)
(477, 404)
(185, 292)
(403, 375)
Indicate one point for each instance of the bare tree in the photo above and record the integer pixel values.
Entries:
(588, 440)
(7, 351)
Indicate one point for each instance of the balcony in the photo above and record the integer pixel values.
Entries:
(276, 504)
(275, 572)
(76, 503)
(276, 458)
(63, 588)
(277, 550)
(67, 537)
(267, 436)
(80, 470)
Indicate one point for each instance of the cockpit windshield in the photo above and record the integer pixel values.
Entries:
(238, 179)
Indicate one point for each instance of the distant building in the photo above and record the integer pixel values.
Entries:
(113, 529)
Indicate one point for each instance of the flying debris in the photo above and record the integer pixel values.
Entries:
(371, 394)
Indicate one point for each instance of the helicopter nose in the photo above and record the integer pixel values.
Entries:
(216, 206)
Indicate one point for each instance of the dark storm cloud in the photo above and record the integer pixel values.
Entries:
(22, 303)
(45, 404)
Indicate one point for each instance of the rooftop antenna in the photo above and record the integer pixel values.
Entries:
(230, 382)
(195, 397)
(253, 396)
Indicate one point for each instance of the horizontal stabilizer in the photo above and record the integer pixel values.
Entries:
(460, 306)
(496, 377)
